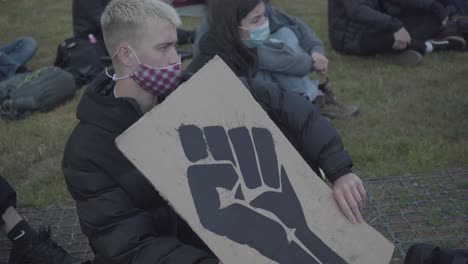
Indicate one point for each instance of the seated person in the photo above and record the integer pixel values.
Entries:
(15, 55)
(86, 20)
(405, 29)
(29, 246)
(121, 213)
(286, 57)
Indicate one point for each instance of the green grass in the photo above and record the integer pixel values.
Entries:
(413, 120)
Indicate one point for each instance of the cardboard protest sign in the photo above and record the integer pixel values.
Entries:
(226, 168)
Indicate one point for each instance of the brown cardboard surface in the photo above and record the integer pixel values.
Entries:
(216, 97)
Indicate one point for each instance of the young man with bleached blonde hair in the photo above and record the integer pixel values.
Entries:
(120, 212)
(123, 216)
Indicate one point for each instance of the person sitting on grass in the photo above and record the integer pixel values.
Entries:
(403, 30)
(29, 246)
(286, 51)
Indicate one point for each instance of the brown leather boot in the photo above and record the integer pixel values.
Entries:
(330, 106)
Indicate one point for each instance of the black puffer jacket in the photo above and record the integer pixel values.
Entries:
(347, 19)
(123, 216)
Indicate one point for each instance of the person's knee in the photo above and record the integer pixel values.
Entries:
(28, 43)
(285, 35)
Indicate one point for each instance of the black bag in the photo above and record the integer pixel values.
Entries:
(41, 90)
(427, 254)
(81, 58)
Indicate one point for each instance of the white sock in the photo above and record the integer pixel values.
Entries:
(429, 47)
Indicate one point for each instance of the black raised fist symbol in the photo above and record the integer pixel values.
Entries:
(246, 196)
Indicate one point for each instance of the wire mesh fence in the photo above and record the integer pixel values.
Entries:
(429, 209)
(407, 210)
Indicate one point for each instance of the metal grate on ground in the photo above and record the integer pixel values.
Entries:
(64, 226)
(407, 210)
(429, 209)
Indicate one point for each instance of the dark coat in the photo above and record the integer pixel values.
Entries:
(123, 216)
(87, 17)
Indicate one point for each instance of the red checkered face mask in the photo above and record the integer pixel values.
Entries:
(157, 81)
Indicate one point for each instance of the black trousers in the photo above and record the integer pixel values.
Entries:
(421, 28)
(7, 196)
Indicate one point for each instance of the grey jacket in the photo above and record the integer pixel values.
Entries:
(277, 57)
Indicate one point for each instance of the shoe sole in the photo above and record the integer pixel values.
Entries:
(459, 40)
(404, 58)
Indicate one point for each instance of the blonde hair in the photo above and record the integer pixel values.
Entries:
(123, 19)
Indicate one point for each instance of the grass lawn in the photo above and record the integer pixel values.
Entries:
(413, 120)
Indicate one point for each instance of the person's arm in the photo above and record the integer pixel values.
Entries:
(118, 231)
(308, 39)
(316, 140)
(279, 57)
(360, 11)
(313, 135)
(7, 200)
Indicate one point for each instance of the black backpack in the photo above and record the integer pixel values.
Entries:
(427, 254)
(81, 58)
(41, 90)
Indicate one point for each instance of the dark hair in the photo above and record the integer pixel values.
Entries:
(225, 17)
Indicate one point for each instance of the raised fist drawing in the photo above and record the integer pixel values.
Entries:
(241, 192)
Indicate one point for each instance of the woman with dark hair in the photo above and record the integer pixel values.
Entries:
(236, 28)
(239, 32)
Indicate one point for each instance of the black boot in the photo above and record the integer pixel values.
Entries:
(42, 250)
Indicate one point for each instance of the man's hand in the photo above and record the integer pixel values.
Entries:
(320, 62)
(444, 22)
(350, 194)
(402, 39)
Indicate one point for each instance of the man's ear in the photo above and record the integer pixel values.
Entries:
(126, 56)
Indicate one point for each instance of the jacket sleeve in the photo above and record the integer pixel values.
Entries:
(308, 39)
(362, 12)
(313, 136)
(279, 57)
(118, 231)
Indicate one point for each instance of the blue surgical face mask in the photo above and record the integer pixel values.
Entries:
(258, 35)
